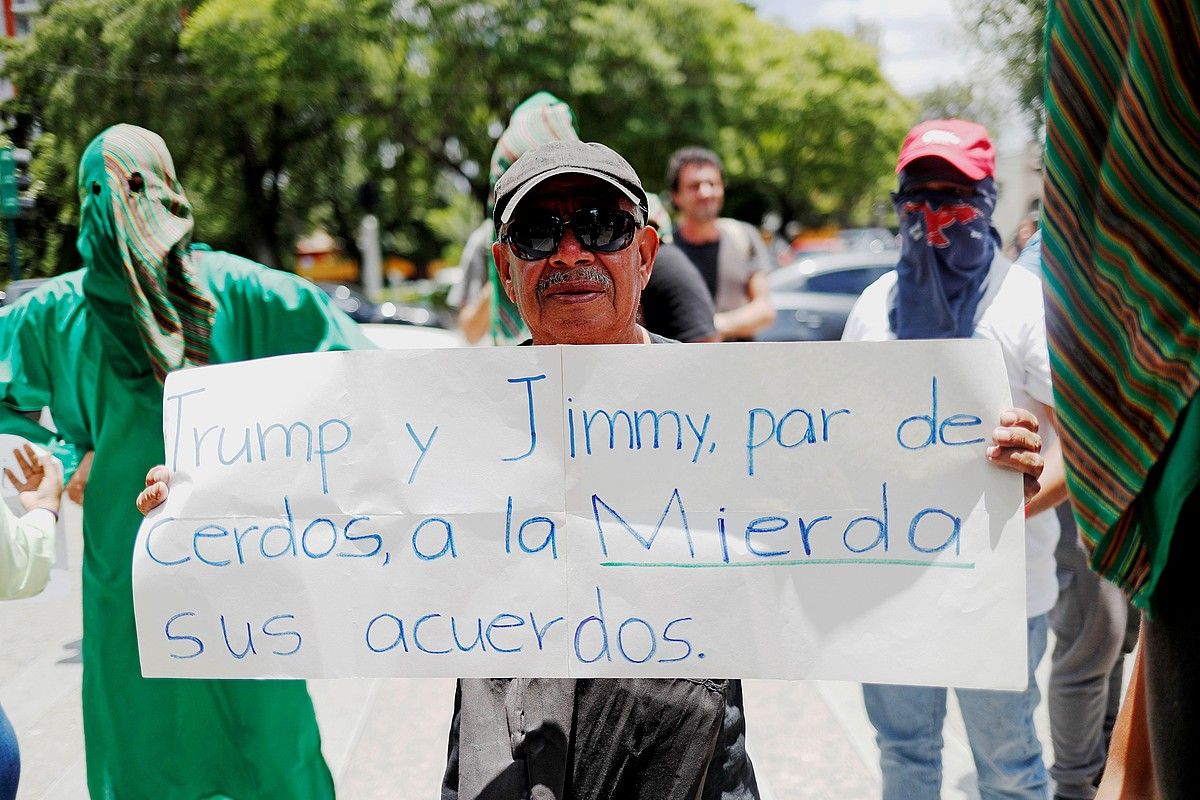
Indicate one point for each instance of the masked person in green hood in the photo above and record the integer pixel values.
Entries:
(95, 345)
(483, 307)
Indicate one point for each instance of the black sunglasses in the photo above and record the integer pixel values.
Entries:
(537, 234)
(946, 191)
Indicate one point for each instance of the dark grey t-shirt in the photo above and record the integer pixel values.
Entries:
(704, 257)
(676, 303)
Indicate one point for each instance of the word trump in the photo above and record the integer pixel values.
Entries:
(263, 443)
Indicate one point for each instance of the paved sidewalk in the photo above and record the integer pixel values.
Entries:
(387, 738)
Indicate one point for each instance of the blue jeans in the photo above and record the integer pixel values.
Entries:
(10, 759)
(1008, 756)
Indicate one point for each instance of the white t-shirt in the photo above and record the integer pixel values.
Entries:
(1012, 314)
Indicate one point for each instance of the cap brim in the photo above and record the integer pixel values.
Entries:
(952, 156)
(519, 195)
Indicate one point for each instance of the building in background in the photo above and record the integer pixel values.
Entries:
(18, 17)
(1018, 186)
(18, 23)
(320, 258)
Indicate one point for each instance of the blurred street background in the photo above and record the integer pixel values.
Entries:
(349, 142)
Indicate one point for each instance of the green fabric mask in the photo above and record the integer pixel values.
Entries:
(134, 235)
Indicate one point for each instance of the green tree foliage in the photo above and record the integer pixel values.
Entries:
(961, 100)
(277, 111)
(1013, 32)
(250, 97)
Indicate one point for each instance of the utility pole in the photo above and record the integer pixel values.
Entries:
(371, 273)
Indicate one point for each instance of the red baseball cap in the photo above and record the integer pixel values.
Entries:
(964, 145)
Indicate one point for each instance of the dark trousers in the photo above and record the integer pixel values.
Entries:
(598, 739)
(1094, 627)
(10, 759)
(1172, 642)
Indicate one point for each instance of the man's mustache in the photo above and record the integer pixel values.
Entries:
(577, 274)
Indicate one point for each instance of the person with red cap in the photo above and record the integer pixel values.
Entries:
(953, 282)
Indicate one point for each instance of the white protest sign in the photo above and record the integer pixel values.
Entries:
(740, 510)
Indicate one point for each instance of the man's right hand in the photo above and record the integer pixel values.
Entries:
(158, 481)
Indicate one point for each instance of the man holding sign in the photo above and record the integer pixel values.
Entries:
(952, 281)
(574, 255)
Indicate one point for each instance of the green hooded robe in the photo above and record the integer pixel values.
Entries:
(88, 344)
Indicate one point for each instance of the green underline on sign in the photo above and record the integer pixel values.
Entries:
(883, 562)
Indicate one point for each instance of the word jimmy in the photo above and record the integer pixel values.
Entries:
(637, 430)
(589, 431)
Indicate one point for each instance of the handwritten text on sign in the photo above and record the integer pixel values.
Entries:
(783, 511)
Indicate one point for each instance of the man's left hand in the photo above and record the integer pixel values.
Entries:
(1017, 446)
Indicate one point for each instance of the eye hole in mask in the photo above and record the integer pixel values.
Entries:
(95, 188)
(136, 184)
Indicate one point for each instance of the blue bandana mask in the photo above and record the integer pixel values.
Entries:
(947, 245)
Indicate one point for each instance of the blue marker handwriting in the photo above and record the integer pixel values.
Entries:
(234, 543)
(438, 633)
(422, 448)
(239, 638)
(531, 412)
(911, 429)
(261, 442)
(784, 539)
(787, 429)
(593, 430)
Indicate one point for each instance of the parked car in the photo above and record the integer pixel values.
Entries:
(876, 240)
(846, 240)
(814, 296)
(360, 309)
(406, 337)
(18, 288)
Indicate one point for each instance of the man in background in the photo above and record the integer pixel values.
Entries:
(729, 254)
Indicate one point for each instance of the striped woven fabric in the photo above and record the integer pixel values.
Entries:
(539, 119)
(1122, 264)
(150, 227)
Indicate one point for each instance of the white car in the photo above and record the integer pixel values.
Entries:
(813, 296)
(410, 337)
